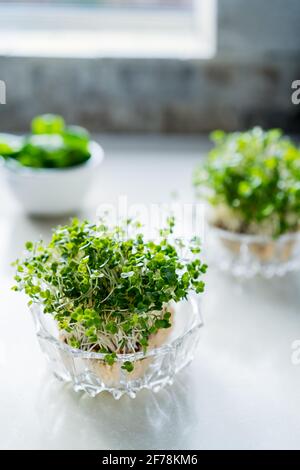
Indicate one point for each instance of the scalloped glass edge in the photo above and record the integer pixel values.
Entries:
(87, 372)
(248, 255)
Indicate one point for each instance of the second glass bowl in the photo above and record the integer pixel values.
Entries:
(248, 255)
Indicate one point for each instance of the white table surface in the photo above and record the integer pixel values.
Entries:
(241, 391)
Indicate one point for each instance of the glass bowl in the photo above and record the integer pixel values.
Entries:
(88, 372)
(248, 255)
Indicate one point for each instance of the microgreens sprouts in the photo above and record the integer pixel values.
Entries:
(256, 174)
(109, 292)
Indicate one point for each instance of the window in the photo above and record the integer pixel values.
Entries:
(139, 28)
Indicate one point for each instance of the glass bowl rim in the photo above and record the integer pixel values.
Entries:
(194, 300)
(244, 237)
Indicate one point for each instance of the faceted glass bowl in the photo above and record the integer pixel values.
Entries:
(88, 372)
(248, 255)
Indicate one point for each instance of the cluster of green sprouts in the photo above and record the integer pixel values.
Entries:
(257, 175)
(107, 290)
(51, 144)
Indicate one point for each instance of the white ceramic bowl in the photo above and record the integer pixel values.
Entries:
(50, 192)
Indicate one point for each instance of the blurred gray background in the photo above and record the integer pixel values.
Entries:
(248, 82)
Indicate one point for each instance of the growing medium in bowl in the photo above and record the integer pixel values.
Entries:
(111, 300)
(251, 184)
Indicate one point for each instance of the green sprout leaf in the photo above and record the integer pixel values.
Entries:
(127, 365)
(48, 124)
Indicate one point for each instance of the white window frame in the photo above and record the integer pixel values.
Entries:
(84, 32)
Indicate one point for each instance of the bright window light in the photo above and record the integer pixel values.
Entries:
(96, 28)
